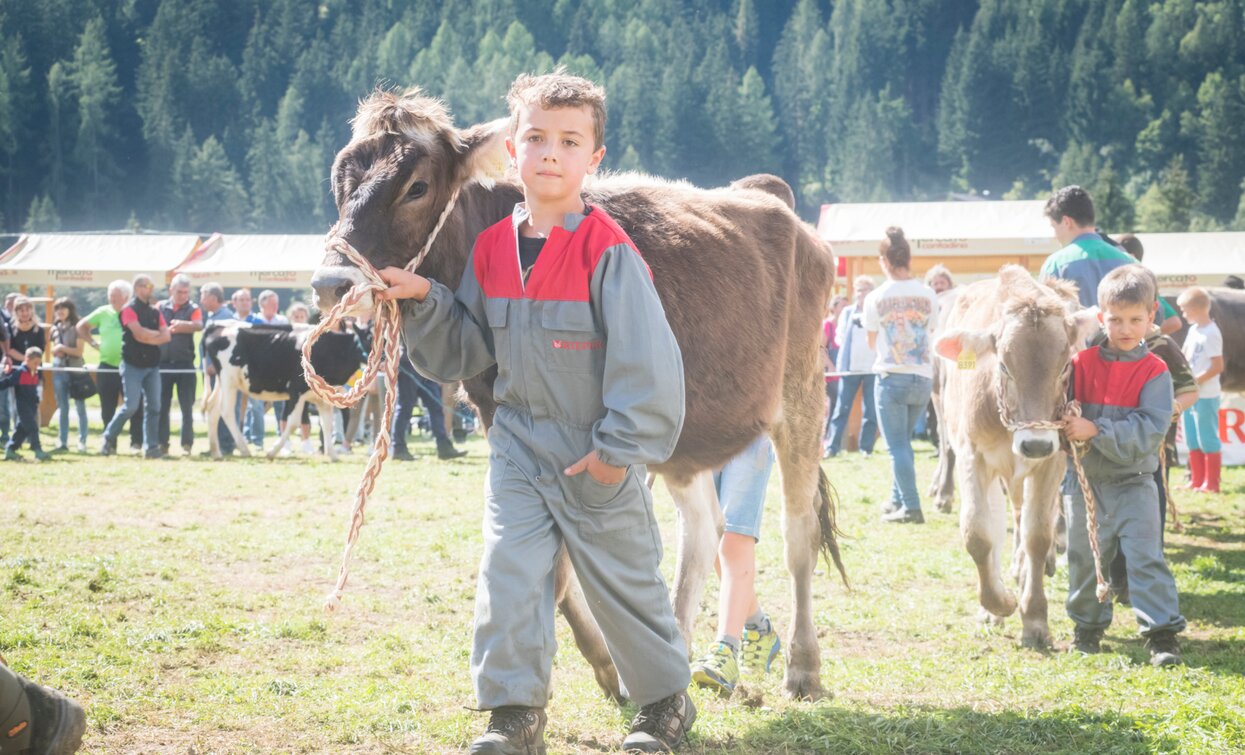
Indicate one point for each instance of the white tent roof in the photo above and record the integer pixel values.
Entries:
(68, 259)
(940, 229)
(275, 261)
(1181, 260)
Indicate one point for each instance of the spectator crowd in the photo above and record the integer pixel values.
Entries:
(149, 350)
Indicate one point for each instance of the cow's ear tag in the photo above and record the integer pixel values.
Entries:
(967, 360)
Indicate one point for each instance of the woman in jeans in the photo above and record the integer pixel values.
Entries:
(67, 352)
(900, 316)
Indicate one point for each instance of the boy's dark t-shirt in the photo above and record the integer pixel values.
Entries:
(529, 250)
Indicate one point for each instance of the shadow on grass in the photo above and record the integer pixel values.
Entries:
(954, 730)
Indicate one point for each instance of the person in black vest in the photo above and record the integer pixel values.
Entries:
(144, 331)
(184, 319)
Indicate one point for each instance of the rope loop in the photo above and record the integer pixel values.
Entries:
(383, 359)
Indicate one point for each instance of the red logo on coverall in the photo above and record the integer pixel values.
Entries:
(578, 345)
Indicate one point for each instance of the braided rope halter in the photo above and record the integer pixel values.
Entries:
(1077, 451)
(382, 359)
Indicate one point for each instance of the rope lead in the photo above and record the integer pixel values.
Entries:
(382, 359)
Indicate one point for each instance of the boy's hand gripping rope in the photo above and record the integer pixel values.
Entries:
(386, 344)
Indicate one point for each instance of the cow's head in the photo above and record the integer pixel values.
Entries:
(394, 179)
(1032, 347)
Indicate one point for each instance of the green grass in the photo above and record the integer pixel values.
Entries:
(180, 601)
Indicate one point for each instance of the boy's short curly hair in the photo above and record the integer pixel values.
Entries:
(1126, 286)
(558, 90)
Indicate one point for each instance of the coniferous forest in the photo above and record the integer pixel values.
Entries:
(206, 115)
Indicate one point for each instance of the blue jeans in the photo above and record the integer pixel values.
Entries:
(413, 387)
(138, 384)
(902, 399)
(1201, 426)
(254, 429)
(60, 384)
(843, 409)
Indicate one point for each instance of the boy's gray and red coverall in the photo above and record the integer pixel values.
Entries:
(585, 360)
(1128, 396)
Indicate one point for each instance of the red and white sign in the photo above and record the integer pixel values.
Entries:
(1231, 431)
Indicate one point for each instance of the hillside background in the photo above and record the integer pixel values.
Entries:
(224, 115)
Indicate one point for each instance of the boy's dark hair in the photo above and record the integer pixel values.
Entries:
(895, 248)
(558, 90)
(34, 351)
(1127, 286)
(1131, 244)
(1071, 202)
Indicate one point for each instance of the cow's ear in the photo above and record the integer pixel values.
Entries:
(483, 151)
(951, 344)
(1082, 325)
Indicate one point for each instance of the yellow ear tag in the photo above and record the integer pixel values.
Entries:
(967, 360)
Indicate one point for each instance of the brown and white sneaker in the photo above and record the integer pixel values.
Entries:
(661, 726)
(512, 730)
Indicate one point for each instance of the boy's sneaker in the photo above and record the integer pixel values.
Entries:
(717, 670)
(42, 456)
(11, 455)
(661, 726)
(56, 722)
(759, 648)
(513, 730)
(1164, 649)
(82, 446)
(109, 448)
(1087, 641)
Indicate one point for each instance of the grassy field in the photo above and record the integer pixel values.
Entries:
(180, 601)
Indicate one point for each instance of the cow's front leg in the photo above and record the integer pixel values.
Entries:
(983, 524)
(289, 426)
(228, 404)
(1037, 526)
(699, 530)
(327, 413)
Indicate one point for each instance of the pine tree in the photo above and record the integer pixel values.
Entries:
(15, 102)
(1220, 133)
(97, 93)
(747, 31)
(216, 198)
(42, 216)
(1167, 205)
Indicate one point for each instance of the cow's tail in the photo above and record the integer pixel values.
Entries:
(827, 506)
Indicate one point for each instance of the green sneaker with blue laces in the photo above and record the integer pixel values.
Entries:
(717, 669)
(759, 648)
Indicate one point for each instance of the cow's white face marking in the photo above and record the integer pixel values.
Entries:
(1035, 445)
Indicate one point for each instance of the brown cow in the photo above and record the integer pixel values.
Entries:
(743, 281)
(1014, 338)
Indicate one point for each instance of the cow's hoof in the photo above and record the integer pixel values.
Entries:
(985, 618)
(1051, 564)
(799, 685)
(607, 679)
(1002, 603)
(1036, 639)
(943, 505)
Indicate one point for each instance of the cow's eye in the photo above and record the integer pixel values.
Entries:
(417, 190)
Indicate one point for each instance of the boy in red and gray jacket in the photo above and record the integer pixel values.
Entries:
(1126, 403)
(24, 380)
(589, 390)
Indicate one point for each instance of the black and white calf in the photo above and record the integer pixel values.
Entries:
(265, 362)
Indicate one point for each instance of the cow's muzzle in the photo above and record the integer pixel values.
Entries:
(330, 284)
(1035, 444)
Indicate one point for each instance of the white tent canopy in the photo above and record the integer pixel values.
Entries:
(272, 261)
(69, 259)
(1181, 260)
(940, 229)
